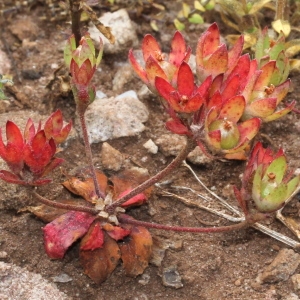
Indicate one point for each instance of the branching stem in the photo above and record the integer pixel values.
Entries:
(68, 207)
(151, 181)
(127, 220)
(89, 153)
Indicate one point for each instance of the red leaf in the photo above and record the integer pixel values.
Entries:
(164, 88)
(137, 67)
(61, 233)
(100, 263)
(14, 135)
(150, 47)
(134, 201)
(179, 51)
(94, 238)
(136, 251)
(128, 180)
(185, 80)
(177, 127)
(54, 128)
(115, 232)
(10, 177)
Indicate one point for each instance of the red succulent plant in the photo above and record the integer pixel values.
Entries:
(30, 156)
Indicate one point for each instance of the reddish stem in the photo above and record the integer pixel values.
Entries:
(89, 153)
(128, 220)
(154, 179)
(68, 207)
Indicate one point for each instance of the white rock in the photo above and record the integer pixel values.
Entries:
(121, 27)
(151, 147)
(111, 118)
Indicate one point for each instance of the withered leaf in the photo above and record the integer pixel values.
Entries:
(136, 251)
(85, 188)
(48, 214)
(98, 264)
(61, 233)
(126, 181)
(103, 29)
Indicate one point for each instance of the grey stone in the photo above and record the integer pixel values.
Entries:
(111, 118)
(171, 277)
(281, 268)
(18, 284)
(170, 144)
(121, 27)
(197, 157)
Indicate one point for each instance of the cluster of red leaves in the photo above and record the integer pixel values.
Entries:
(235, 93)
(103, 244)
(30, 156)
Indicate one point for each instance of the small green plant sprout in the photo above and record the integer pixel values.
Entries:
(266, 181)
(3, 81)
(82, 62)
(192, 14)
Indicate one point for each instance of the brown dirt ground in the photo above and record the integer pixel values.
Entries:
(212, 266)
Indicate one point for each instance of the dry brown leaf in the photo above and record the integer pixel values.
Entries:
(128, 180)
(98, 264)
(103, 29)
(48, 214)
(136, 251)
(85, 188)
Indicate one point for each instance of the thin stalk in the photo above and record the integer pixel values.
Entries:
(75, 19)
(151, 181)
(68, 207)
(280, 9)
(127, 220)
(89, 154)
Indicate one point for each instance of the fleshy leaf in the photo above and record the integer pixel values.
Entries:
(185, 80)
(233, 109)
(179, 52)
(61, 233)
(177, 127)
(150, 47)
(115, 232)
(137, 67)
(94, 238)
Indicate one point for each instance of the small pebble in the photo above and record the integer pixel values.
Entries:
(171, 277)
(3, 254)
(238, 282)
(62, 278)
(144, 279)
(151, 147)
